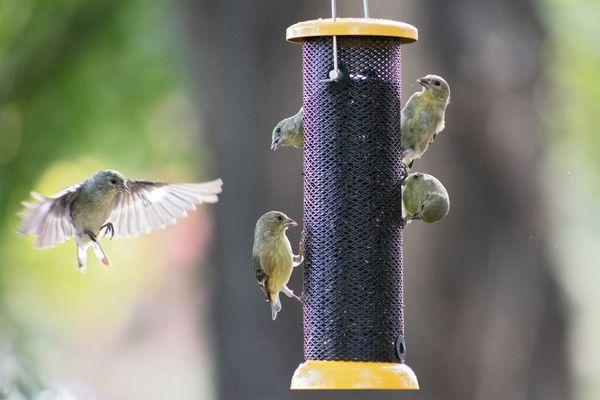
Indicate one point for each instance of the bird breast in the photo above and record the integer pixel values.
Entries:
(90, 212)
(278, 263)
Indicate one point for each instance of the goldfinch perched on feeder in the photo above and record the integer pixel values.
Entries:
(107, 201)
(289, 132)
(273, 258)
(425, 198)
(422, 118)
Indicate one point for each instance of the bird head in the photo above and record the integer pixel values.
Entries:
(110, 180)
(277, 138)
(289, 132)
(436, 86)
(275, 221)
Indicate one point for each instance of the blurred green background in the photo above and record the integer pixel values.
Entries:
(188, 91)
(86, 86)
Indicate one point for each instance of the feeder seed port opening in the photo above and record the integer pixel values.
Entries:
(353, 280)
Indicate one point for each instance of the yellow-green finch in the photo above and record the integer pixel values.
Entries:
(273, 258)
(107, 201)
(425, 198)
(422, 118)
(289, 132)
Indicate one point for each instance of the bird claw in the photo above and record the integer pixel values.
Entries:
(290, 293)
(301, 246)
(91, 235)
(108, 228)
(299, 298)
(403, 172)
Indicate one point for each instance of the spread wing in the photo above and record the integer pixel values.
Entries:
(149, 205)
(49, 217)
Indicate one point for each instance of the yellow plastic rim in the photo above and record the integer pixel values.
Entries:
(341, 375)
(352, 27)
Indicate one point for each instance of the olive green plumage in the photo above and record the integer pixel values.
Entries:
(422, 117)
(272, 257)
(289, 132)
(110, 202)
(425, 198)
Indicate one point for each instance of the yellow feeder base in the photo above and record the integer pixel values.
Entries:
(353, 375)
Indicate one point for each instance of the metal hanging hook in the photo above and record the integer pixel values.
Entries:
(336, 74)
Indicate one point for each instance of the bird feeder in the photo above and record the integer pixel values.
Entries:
(353, 229)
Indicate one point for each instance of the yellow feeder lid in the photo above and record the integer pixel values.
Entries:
(352, 27)
(336, 375)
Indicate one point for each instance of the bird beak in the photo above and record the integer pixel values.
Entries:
(275, 144)
(125, 187)
(289, 222)
(424, 82)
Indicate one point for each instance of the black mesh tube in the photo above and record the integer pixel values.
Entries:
(353, 300)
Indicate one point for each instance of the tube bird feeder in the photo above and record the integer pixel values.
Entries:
(353, 229)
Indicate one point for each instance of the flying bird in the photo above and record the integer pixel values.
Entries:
(423, 117)
(289, 132)
(109, 202)
(425, 198)
(273, 259)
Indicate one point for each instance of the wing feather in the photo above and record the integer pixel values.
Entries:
(149, 205)
(156, 218)
(137, 212)
(49, 218)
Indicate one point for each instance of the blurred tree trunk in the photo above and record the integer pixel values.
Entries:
(484, 314)
(487, 307)
(246, 71)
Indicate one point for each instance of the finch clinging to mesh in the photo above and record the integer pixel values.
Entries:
(272, 257)
(422, 117)
(425, 198)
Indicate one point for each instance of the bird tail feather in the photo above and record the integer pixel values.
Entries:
(81, 258)
(100, 253)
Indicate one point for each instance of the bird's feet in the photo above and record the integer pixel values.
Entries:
(91, 235)
(299, 259)
(290, 293)
(108, 228)
(301, 246)
(403, 172)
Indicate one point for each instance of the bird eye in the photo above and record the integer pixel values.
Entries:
(437, 83)
(113, 181)
(278, 130)
(279, 218)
